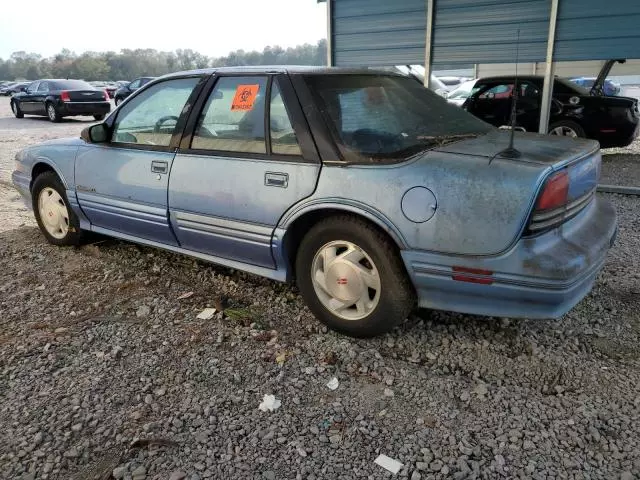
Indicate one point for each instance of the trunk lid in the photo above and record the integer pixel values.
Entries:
(548, 150)
(597, 88)
(86, 95)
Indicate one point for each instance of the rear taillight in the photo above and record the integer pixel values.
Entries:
(106, 95)
(564, 195)
(555, 193)
(64, 96)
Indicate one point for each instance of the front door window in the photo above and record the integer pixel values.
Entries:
(151, 117)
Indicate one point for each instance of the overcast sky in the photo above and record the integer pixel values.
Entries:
(212, 27)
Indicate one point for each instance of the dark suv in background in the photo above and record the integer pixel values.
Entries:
(126, 90)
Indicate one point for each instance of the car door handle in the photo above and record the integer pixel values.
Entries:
(159, 166)
(276, 179)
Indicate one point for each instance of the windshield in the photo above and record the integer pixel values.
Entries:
(72, 85)
(382, 117)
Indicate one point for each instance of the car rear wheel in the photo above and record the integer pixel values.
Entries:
(52, 113)
(117, 101)
(352, 277)
(15, 108)
(56, 219)
(99, 117)
(566, 128)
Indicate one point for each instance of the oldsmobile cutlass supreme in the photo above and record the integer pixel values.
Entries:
(366, 189)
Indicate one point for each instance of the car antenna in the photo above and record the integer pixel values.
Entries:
(510, 151)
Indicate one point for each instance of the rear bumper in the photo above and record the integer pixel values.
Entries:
(620, 137)
(84, 108)
(540, 277)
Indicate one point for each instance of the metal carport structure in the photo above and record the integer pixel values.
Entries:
(449, 33)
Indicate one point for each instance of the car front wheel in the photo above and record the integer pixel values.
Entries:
(352, 277)
(99, 117)
(56, 219)
(17, 111)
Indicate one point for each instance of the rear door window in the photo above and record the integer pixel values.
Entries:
(234, 116)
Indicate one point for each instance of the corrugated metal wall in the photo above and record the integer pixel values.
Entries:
(561, 69)
(465, 31)
(378, 32)
(392, 32)
(597, 29)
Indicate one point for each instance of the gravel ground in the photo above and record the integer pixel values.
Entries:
(105, 372)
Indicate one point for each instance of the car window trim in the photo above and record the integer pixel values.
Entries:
(198, 108)
(180, 124)
(297, 118)
(267, 115)
(35, 90)
(319, 131)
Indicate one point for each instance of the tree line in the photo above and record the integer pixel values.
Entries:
(129, 64)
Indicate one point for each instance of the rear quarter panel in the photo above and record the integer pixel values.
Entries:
(482, 206)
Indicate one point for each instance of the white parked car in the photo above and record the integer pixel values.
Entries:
(460, 94)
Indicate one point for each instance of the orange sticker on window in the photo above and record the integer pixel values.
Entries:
(245, 97)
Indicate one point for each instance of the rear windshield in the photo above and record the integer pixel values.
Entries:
(72, 85)
(377, 118)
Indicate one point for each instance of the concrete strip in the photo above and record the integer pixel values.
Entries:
(619, 189)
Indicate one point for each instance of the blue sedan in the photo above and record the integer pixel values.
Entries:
(370, 192)
(610, 88)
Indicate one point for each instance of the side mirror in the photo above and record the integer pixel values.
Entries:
(95, 133)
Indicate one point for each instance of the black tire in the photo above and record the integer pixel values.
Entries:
(50, 180)
(567, 124)
(52, 112)
(117, 101)
(397, 295)
(17, 111)
(99, 117)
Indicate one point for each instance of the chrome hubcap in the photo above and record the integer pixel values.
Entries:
(52, 112)
(53, 213)
(564, 132)
(345, 280)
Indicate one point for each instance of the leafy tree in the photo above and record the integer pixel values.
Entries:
(129, 64)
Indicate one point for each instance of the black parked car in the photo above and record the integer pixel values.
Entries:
(61, 98)
(575, 111)
(5, 86)
(126, 90)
